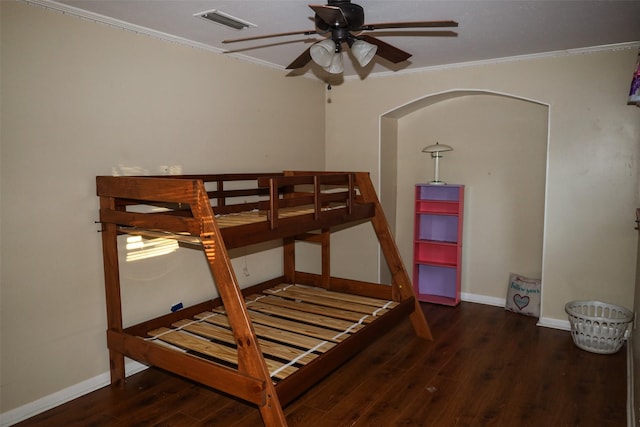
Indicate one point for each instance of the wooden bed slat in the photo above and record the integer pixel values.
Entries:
(231, 220)
(308, 290)
(268, 347)
(317, 298)
(293, 325)
(334, 313)
(302, 328)
(189, 342)
(312, 319)
(242, 218)
(275, 334)
(211, 349)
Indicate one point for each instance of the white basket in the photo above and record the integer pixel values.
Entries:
(598, 327)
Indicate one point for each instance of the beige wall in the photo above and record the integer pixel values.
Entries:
(81, 99)
(592, 177)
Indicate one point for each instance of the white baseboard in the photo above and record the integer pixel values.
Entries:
(65, 395)
(549, 322)
(483, 299)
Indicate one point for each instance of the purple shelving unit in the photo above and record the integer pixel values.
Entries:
(438, 243)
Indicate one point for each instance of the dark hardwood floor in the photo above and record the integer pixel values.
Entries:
(485, 367)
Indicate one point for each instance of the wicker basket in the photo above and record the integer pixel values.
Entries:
(598, 327)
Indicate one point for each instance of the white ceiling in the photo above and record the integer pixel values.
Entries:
(487, 29)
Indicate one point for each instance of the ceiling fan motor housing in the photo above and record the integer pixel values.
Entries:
(353, 14)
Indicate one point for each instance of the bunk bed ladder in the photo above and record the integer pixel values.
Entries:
(250, 358)
(401, 283)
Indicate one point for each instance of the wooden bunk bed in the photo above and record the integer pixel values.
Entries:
(268, 343)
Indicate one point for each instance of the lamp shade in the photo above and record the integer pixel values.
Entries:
(323, 52)
(363, 51)
(336, 66)
(437, 148)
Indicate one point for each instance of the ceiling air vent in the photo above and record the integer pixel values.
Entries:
(224, 19)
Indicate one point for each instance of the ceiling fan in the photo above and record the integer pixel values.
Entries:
(343, 22)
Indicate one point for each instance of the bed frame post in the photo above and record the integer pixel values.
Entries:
(112, 291)
(325, 241)
(250, 358)
(402, 287)
(323, 238)
(289, 255)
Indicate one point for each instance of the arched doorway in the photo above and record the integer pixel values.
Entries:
(500, 154)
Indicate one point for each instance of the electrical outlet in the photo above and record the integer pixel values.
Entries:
(170, 169)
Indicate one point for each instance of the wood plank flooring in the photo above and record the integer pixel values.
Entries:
(485, 367)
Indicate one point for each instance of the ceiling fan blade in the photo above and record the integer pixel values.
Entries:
(301, 60)
(386, 51)
(331, 15)
(418, 33)
(416, 24)
(267, 36)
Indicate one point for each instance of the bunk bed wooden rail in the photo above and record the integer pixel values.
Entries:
(327, 198)
(237, 343)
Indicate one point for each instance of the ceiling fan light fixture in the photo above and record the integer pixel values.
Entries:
(363, 51)
(345, 23)
(336, 66)
(323, 52)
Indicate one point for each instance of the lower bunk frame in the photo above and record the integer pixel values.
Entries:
(304, 332)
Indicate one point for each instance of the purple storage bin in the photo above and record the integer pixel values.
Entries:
(440, 192)
(441, 228)
(435, 280)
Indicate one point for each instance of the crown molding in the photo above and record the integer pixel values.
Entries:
(528, 57)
